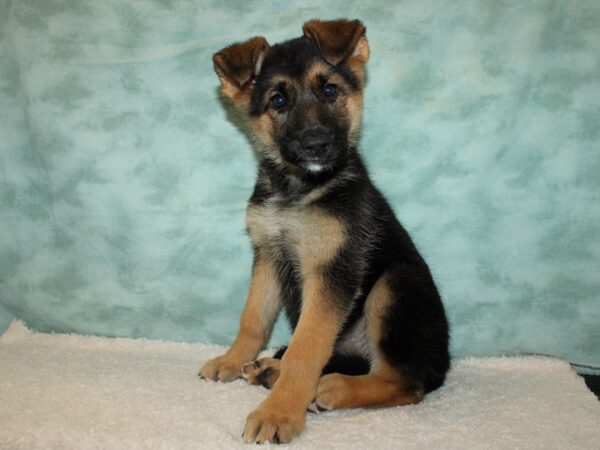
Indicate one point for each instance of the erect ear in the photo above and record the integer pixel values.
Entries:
(339, 40)
(238, 65)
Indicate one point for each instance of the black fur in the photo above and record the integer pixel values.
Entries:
(346, 364)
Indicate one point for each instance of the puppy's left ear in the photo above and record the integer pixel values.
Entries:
(339, 40)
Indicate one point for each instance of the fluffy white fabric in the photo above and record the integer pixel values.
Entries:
(68, 391)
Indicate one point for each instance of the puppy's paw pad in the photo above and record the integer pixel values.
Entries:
(264, 372)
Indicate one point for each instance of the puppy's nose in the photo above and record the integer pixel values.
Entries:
(315, 142)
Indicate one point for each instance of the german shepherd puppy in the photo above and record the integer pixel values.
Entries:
(369, 325)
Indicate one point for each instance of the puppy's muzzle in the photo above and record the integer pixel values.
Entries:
(315, 143)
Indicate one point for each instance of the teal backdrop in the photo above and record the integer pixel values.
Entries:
(123, 180)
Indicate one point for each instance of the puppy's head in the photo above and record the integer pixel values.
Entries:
(303, 97)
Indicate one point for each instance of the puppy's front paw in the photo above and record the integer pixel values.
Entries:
(273, 424)
(221, 368)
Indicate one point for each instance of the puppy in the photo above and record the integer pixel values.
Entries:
(369, 327)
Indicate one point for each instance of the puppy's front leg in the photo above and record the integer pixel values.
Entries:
(281, 416)
(261, 310)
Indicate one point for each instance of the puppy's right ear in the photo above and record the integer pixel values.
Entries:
(237, 67)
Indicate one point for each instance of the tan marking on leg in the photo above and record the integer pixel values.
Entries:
(282, 414)
(256, 323)
(384, 387)
(259, 314)
(376, 306)
(312, 343)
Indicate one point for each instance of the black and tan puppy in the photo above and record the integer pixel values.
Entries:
(369, 325)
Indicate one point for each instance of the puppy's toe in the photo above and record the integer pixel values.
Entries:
(272, 423)
(332, 393)
(264, 372)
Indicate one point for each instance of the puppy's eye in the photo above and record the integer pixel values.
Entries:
(278, 100)
(329, 90)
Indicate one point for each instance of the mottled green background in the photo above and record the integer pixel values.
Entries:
(123, 183)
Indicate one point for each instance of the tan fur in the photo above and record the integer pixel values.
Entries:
(241, 98)
(376, 307)
(383, 387)
(322, 235)
(313, 72)
(261, 310)
(254, 371)
(358, 59)
(263, 129)
(315, 235)
(282, 413)
(354, 106)
(320, 69)
(311, 345)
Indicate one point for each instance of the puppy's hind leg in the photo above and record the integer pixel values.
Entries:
(383, 387)
(407, 339)
(264, 371)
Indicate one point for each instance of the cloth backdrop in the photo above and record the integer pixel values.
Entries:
(124, 178)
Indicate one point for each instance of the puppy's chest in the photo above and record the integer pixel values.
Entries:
(312, 235)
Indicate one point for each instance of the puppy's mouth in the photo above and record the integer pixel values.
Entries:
(316, 165)
(310, 164)
(311, 161)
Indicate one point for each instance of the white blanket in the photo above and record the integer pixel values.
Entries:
(68, 391)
